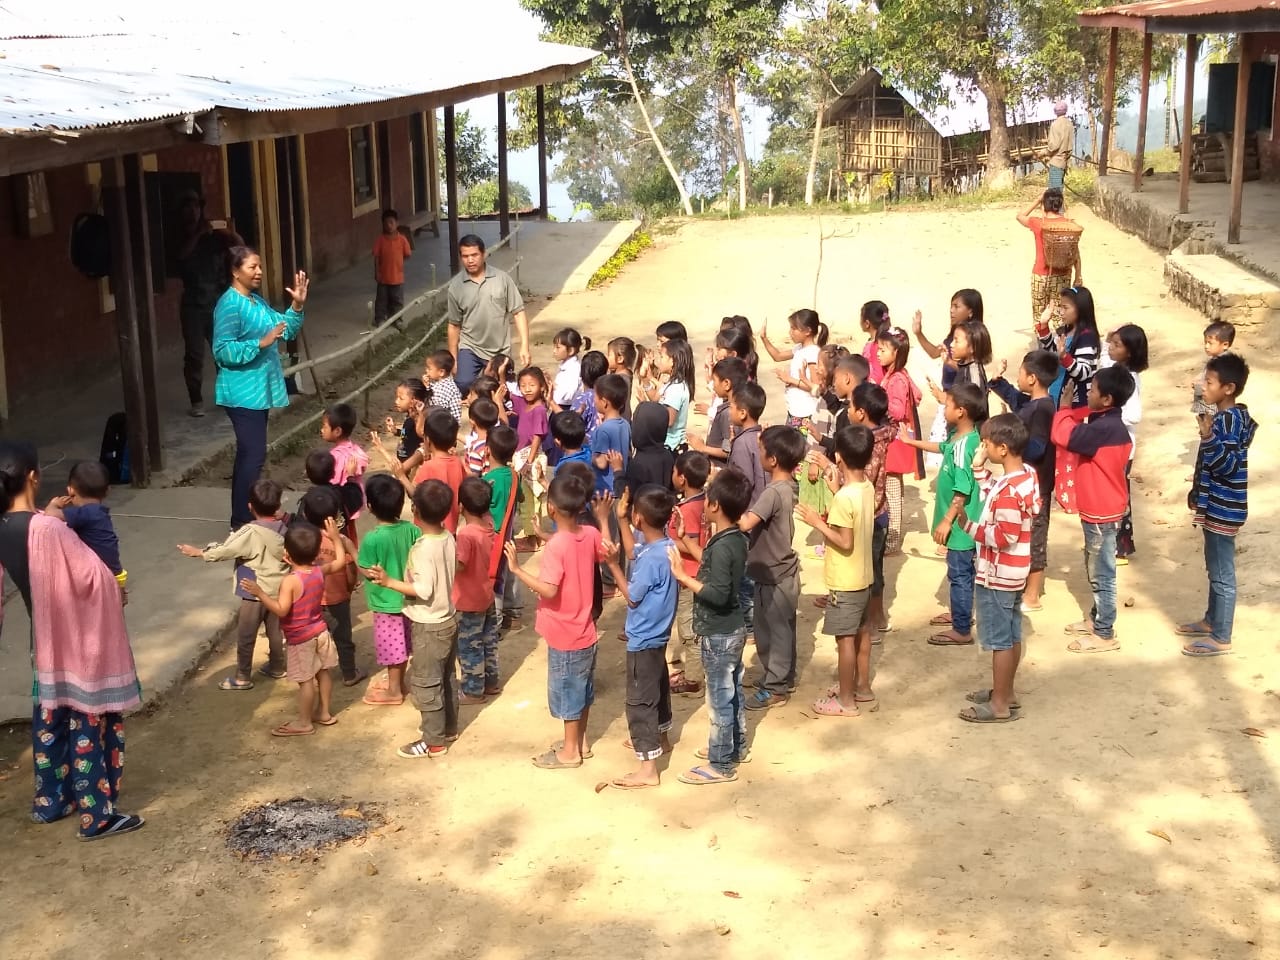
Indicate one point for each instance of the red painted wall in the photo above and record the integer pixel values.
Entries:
(54, 328)
(53, 325)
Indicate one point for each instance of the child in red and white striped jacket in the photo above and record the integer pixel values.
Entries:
(1003, 537)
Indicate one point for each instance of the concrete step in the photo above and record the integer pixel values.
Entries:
(1221, 289)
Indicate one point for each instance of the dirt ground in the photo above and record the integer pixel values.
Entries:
(1126, 815)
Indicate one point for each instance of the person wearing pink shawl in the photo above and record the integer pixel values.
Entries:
(85, 677)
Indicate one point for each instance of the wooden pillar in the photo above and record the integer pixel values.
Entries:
(543, 202)
(140, 253)
(1108, 101)
(1144, 96)
(1188, 127)
(115, 203)
(504, 192)
(451, 185)
(1239, 139)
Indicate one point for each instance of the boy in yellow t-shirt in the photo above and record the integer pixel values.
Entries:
(848, 532)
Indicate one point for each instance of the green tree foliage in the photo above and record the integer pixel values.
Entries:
(482, 198)
(475, 162)
(1013, 51)
(826, 46)
(641, 38)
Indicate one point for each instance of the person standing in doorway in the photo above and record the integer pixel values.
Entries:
(1062, 137)
(202, 261)
(390, 251)
(483, 302)
(250, 375)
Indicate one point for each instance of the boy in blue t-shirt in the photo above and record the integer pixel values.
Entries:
(612, 434)
(651, 594)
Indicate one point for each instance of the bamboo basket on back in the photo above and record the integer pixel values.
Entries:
(1061, 243)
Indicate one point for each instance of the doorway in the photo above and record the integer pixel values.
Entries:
(241, 192)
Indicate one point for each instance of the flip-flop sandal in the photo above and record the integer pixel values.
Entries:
(888, 627)
(1080, 627)
(284, 730)
(1202, 648)
(1028, 608)
(940, 620)
(832, 707)
(232, 683)
(984, 696)
(1197, 629)
(556, 747)
(620, 784)
(982, 713)
(264, 672)
(376, 702)
(947, 640)
(550, 761)
(871, 703)
(703, 776)
(325, 723)
(122, 823)
(1093, 644)
(360, 676)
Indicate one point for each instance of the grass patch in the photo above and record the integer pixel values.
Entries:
(610, 269)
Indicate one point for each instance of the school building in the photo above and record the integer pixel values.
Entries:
(296, 139)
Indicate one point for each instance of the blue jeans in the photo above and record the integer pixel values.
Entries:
(250, 428)
(999, 618)
(1100, 568)
(747, 600)
(1220, 561)
(1056, 176)
(570, 681)
(468, 367)
(722, 662)
(960, 575)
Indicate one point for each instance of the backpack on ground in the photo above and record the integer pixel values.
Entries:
(114, 454)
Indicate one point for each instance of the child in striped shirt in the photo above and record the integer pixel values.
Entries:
(1003, 537)
(483, 415)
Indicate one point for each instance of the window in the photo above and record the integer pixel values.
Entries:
(364, 166)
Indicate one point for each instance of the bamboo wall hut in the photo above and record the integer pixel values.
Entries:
(878, 130)
(882, 129)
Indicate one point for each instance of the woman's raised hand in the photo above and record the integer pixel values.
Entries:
(299, 289)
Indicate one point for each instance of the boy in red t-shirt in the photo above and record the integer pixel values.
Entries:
(563, 586)
(390, 251)
(473, 594)
(440, 431)
(690, 535)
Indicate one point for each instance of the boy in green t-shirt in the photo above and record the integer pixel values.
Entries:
(505, 484)
(958, 495)
(386, 547)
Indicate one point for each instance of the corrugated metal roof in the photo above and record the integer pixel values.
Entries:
(1183, 8)
(141, 75)
(963, 108)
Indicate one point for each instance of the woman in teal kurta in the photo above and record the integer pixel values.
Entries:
(250, 377)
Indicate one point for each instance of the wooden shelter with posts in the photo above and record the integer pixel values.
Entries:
(882, 129)
(1233, 151)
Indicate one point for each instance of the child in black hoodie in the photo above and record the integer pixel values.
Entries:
(652, 462)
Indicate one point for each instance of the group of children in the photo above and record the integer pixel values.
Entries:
(599, 471)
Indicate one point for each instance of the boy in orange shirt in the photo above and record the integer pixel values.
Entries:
(390, 251)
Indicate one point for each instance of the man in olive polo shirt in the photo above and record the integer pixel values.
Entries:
(483, 301)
